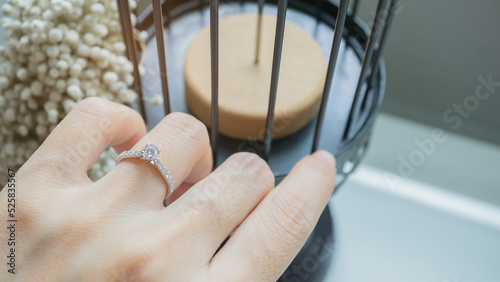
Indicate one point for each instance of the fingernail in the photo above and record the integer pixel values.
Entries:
(325, 156)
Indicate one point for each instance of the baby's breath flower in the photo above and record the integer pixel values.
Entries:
(57, 53)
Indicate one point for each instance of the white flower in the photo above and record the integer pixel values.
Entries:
(41, 69)
(47, 15)
(143, 35)
(22, 74)
(119, 47)
(75, 92)
(52, 115)
(25, 94)
(156, 100)
(36, 87)
(83, 50)
(9, 115)
(55, 35)
(89, 39)
(110, 77)
(23, 130)
(101, 30)
(97, 9)
(68, 105)
(52, 51)
(41, 130)
(62, 65)
(7, 9)
(54, 73)
(4, 82)
(75, 70)
(57, 53)
(72, 37)
(32, 104)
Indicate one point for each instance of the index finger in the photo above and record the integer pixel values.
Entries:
(81, 137)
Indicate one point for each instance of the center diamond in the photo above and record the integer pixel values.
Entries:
(150, 152)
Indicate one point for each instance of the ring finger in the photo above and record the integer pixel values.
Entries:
(185, 152)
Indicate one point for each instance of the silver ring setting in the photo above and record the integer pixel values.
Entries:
(150, 155)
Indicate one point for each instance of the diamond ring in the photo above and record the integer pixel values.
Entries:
(150, 155)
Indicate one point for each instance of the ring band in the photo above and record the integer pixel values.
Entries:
(150, 155)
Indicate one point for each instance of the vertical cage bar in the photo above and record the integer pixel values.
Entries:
(366, 64)
(259, 30)
(201, 5)
(355, 6)
(160, 45)
(337, 38)
(319, 6)
(378, 51)
(128, 38)
(166, 11)
(214, 62)
(278, 47)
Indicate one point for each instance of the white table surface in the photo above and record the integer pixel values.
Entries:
(440, 224)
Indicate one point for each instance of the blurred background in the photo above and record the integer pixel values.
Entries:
(437, 55)
(400, 218)
(425, 203)
(434, 56)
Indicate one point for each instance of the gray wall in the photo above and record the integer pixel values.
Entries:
(435, 53)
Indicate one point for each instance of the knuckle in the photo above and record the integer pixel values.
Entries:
(30, 211)
(79, 226)
(29, 214)
(205, 206)
(292, 215)
(253, 169)
(93, 106)
(189, 127)
(319, 174)
(84, 226)
(210, 208)
(133, 261)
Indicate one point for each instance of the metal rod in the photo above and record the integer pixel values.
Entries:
(355, 6)
(278, 47)
(378, 51)
(337, 38)
(366, 64)
(319, 6)
(128, 38)
(259, 30)
(166, 11)
(214, 62)
(160, 45)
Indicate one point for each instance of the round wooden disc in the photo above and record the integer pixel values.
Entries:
(244, 85)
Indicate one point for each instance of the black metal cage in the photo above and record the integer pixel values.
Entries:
(352, 94)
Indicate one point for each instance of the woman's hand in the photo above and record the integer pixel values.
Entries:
(72, 229)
